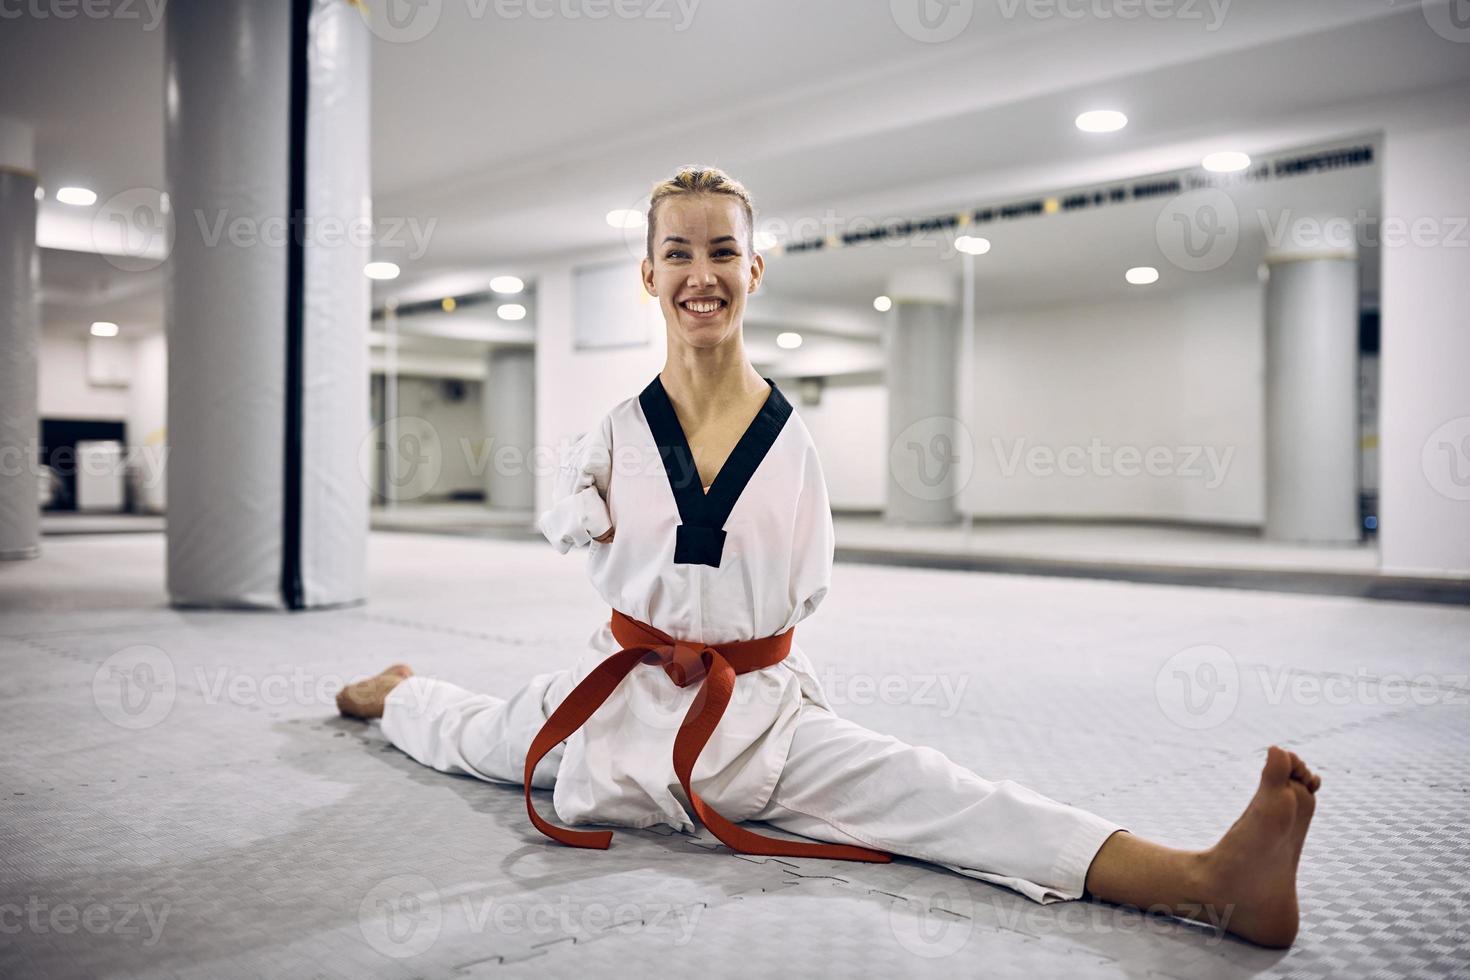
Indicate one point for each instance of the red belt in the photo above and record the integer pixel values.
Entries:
(714, 666)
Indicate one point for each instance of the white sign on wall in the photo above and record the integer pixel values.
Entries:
(610, 307)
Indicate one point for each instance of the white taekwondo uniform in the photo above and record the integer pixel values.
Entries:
(750, 558)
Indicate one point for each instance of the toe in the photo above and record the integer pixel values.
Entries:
(1278, 766)
(1299, 770)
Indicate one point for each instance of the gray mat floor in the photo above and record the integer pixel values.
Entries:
(179, 798)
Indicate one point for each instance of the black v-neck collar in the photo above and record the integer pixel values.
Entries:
(701, 536)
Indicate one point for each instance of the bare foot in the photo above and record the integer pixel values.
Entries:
(1251, 873)
(365, 698)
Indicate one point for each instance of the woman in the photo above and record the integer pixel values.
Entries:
(704, 506)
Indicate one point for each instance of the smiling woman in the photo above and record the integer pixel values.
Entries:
(725, 544)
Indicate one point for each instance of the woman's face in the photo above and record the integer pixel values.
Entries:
(702, 268)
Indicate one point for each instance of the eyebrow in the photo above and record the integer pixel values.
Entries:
(712, 241)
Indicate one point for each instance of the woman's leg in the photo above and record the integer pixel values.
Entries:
(846, 784)
(448, 728)
(1246, 883)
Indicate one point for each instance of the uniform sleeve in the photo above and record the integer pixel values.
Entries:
(813, 540)
(579, 493)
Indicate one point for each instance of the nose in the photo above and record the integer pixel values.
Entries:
(701, 274)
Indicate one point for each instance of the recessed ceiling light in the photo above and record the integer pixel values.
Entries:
(79, 196)
(1142, 275)
(381, 270)
(104, 328)
(882, 304)
(447, 304)
(626, 218)
(1226, 162)
(971, 245)
(788, 340)
(40, 193)
(1101, 121)
(509, 285)
(511, 311)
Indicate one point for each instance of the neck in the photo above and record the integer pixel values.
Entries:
(703, 382)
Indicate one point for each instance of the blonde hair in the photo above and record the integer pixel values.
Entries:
(695, 179)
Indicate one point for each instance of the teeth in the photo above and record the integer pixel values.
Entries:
(702, 306)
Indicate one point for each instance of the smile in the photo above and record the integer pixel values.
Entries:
(703, 307)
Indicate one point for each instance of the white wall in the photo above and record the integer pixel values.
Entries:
(1424, 434)
(574, 389)
(1065, 395)
(848, 428)
(64, 390)
(452, 433)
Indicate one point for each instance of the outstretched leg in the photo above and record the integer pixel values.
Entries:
(448, 728)
(1246, 883)
(846, 784)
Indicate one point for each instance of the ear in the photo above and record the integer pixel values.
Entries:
(757, 272)
(648, 278)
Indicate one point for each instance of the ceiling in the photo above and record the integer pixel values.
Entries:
(514, 135)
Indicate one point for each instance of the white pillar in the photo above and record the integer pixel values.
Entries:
(509, 407)
(148, 423)
(20, 338)
(924, 434)
(1312, 397)
(267, 128)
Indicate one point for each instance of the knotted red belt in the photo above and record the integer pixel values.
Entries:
(714, 666)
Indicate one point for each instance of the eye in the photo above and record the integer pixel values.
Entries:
(676, 253)
(726, 251)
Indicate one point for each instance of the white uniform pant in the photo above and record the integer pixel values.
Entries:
(842, 784)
